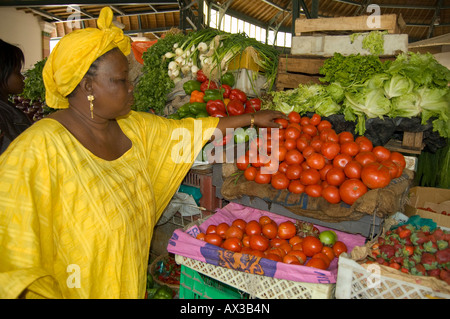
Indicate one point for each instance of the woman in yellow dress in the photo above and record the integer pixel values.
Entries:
(81, 190)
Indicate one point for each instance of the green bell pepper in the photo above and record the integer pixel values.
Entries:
(174, 116)
(184, 110)
(197, 107)
(150, 281)
(228, 79)
(201, 114)
(191, 86)
(216, 94)
(163, 292)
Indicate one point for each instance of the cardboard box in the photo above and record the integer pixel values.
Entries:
(437, 199)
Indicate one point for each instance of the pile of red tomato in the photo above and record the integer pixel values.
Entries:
(279, 242)
(314, 159)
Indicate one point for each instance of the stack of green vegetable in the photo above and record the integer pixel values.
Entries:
(364, 87)
(177, 56)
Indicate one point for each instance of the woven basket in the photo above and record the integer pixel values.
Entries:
(152, 270)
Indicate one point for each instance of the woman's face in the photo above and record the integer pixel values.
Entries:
(15, 83)
(112, 90)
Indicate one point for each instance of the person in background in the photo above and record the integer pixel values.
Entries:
(12, 120)
(83, 188)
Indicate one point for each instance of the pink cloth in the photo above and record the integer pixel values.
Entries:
(185, 244)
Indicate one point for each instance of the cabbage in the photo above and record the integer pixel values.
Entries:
(336, 91)
(326, 106)
(406, 105)
(398, 85)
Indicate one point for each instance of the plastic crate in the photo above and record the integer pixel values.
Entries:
(356, 282)
(194, 285)
(203, 180)
(257, 286)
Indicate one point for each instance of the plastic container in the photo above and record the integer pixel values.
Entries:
(356, 282)
(203, 181)
(194, 285)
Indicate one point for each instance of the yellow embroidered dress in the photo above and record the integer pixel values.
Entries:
(73, 225)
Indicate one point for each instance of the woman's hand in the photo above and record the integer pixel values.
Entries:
(263, 118)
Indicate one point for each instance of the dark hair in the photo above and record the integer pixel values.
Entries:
(11, 59)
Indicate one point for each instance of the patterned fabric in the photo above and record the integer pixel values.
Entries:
(73, 225)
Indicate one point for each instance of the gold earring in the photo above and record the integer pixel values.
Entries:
(91, 104)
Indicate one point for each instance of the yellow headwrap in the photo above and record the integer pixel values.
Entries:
(74, 54)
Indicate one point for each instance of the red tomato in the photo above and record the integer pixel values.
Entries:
(283, 122)
(335, 176)
(316, 160)
(253, 227)
(293, 171)
(328, 251)
(341, 160)
(261, 178)
(365, 157)
(323, 172)
(315, 119)
(316, 144)
(250, 173)
(331, 194)
(294, 117)
(270, 230)
(323, 125)
(308, 151)
(375, 175)
(234, 231)
(393, 168)
(239, 223)
(351, 189)
(213, 239)
(295, 125)
(242, 162)
(259, 242)
(324, 257)
(286, 230)
(381, 153)
(279, 181)
(330, 150)
(353, 169)
(311, 245)
(339, 247)
(398, 158)
(314, 190)
(290, 259)
(264, 220)
(201, 236)
(233, 244)
(365, 145)
(345, 136)
(316, 263)
(280, 155)
(212, 229)
(350, 148)
(309, 176)
(296, 187)
(294, 157)
(301, 257)
(310, 129)
(292, 132)
(305, 121)
(301, 143)
(221, 229)
(282, 167)
(290, 144)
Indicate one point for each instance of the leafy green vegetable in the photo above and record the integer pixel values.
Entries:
(34, 88)
(154, 85)
(373, 41)
(398, 85)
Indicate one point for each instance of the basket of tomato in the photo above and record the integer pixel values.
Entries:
(165, 271)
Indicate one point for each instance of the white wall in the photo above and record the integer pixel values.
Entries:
(22, 29)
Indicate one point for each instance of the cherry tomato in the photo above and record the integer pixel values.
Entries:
(286, 230)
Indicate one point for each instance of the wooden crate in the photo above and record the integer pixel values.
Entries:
(295, 69)
(388, 22)
(412, 143)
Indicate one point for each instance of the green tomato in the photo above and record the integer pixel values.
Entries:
(328, 237)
